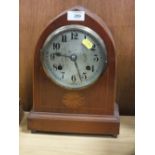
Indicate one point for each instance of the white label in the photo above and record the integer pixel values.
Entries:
(76, 15)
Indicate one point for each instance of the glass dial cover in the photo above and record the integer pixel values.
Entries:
(74, 56)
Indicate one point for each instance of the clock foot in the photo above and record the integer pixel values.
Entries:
(33, 131)
(115, 135)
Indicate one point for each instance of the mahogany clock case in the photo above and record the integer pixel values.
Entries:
(119, 17)
(91, 110)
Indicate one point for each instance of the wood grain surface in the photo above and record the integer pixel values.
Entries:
(119, 17)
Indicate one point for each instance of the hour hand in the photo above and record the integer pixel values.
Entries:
(61, 55)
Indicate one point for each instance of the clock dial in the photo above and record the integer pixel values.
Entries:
(74, 56)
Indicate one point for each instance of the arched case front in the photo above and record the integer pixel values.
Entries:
(92, 110)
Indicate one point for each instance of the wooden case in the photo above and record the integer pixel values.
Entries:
(91, 110)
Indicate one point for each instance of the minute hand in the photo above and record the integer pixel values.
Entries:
(77, 68)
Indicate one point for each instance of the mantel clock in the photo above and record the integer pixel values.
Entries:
(74, 76)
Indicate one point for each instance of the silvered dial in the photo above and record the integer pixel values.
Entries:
(74, 56)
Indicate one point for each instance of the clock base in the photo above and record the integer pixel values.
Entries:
(75, 123)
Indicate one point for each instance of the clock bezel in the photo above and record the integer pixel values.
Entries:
(73, 27)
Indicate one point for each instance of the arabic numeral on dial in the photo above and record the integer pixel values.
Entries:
(84, 75)
(55, 67)
(90, 68)
(73, 78)
(62, 75)
(64, 38)
(74, 35)
(96, 58)
(52, 56)
(94, 47)
(56, 46)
